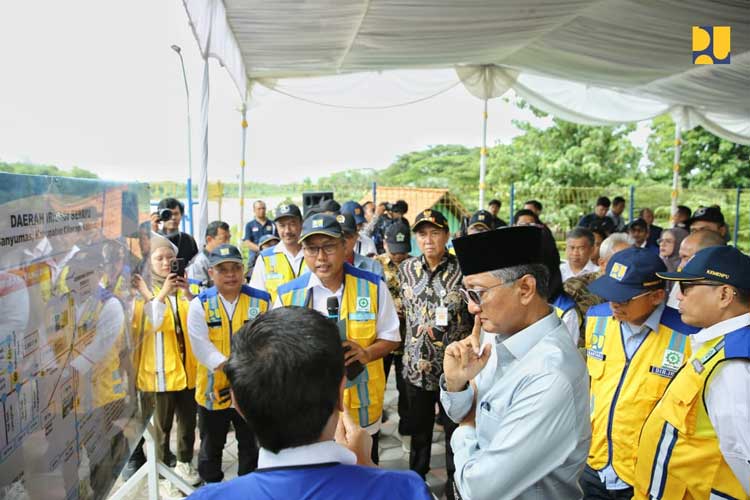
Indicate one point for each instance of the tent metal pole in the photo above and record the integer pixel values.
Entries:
(631, 211)
(676, 167)
(737, 216)
(483, 157)
(203, 177)
(241, 229)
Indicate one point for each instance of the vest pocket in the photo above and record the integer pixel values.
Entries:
(678, 404)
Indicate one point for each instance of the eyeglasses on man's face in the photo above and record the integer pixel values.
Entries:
(686, 286)
(328, 249)
(476, 295)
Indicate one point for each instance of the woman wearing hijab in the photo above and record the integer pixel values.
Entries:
(669, 250)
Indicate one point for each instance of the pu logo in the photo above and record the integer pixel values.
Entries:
(317, 223)
(618, 271)
(711, 44)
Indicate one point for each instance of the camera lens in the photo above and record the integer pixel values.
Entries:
(165, 214)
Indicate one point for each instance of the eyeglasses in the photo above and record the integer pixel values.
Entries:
(475, 294)
(687, 285)
(328, 249)
(631, 299)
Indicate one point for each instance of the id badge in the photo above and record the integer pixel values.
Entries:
(441, 316)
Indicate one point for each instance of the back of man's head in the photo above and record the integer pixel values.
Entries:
(285, 370)
(705, 238)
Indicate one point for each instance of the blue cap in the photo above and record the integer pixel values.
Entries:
(224, 253)
(324, 224)
(266, 238)
(722, 264)
(354, 208)
(630, 272)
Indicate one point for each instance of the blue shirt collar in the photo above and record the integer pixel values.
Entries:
(520, 343)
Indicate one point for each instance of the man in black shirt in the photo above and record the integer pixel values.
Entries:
(186, 246)
(598, 218)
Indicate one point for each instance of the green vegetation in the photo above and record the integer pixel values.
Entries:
(32, 169)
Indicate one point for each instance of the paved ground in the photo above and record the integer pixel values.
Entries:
(392, 455)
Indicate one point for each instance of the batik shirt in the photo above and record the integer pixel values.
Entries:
(422, 293)
(390, 270)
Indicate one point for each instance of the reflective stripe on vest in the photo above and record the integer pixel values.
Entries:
(158, 357)
(678, 453)
(212, 388)
(624, 391)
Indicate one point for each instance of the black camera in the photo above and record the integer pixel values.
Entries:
(389, 206)
(165, 214)
(177, 266)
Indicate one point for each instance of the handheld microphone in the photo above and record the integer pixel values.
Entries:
(332, 305)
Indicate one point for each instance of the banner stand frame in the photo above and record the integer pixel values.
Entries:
(153, 468)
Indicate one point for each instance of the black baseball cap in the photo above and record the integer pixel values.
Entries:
(482, 218)
(430, 216)
(400, 207)
(708, 214)
(324, 224)
(224, 253)
(398, 238)
(290, 210)
(348, 223)
(266, 238)
(723, 264)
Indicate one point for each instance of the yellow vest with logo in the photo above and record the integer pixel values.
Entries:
(105, 382)
(212, 387)
(278, 270)
(678, 454)
(623, 392)
(159, 360)
(359, 309)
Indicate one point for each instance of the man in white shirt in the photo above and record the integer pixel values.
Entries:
(365, 307)
(213, 318)
(284, 261)
(522, 401)
(288, 381)
(689, 246)
(696, 442)
(579, 245)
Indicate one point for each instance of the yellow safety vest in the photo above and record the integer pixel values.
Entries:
(212, 387)
(105, 382)
(623, 392)
(678, 454)
(159, 359)
(278, 270)
(359, 309)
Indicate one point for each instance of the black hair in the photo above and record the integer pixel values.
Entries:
(495, 202)
(743, 296)
(536, 204)
(213, 228)
(617, 200)
(581, 232)
(603, 201)
(684, 210)
(171, 203)
(285, 370)
(638, 223)
(643, 211)
(522, 212)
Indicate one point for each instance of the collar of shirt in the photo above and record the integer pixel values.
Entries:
(443, 262)
(520, 343)
(316, 453)
(652, 322)
(721, 328)
(314, 282)
(281, 248)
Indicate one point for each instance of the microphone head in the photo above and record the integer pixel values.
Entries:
(332, 304)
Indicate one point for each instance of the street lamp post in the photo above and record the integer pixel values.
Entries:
(177, 49)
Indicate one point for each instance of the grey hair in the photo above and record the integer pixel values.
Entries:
(539, 271)
(607, 248)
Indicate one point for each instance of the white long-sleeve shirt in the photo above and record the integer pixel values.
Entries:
(205, 351)
(728, 401)
(532, 431)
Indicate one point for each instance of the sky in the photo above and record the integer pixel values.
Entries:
(95, 84)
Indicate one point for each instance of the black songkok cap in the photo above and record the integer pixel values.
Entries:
(504, 247)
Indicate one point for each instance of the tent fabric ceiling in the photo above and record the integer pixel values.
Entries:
(591, 61)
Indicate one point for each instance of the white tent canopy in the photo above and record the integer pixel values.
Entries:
(588, 61)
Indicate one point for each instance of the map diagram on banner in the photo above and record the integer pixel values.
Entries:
(68, 411)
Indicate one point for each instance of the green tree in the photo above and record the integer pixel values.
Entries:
(706, 160)
(32, 169)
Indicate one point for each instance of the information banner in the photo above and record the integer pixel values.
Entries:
(68, 408)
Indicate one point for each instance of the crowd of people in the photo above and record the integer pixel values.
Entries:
(621, 372)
